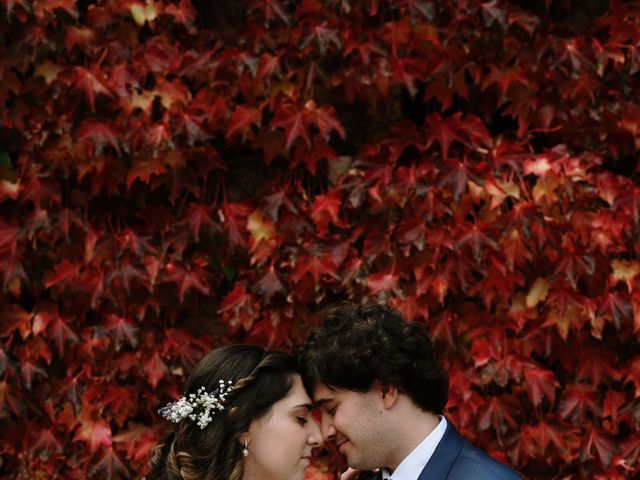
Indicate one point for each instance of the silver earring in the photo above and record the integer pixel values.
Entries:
(245, 450)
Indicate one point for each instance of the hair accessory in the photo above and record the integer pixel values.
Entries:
(245, 450)
(198, 406)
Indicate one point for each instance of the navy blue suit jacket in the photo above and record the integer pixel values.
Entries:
(456, 459)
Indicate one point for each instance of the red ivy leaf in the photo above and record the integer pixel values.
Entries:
(95, 433)
(540, 383)
(123, 330)
(185, 279)
(241, 121)
(64, 272)
(155, 369)
(109, 465)
(60, 333)
(326, 210)
(292, 120)
(269, 284)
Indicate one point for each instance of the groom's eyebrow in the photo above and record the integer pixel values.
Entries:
(322, 401)
(307, 406)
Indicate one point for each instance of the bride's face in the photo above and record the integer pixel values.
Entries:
(280, 443)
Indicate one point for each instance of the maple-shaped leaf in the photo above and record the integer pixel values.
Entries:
(144, 169)
(382, 282)
(540, 383)
(9, 236)
(544, 434)
(28, 370)
(196, 216)
(597, 365)
(122, 330)
(183, 13)
(444, 131)
(317, 263)
(46, 443)
(92, 82)
(324, 118)
(155, 369)
(633, 376)
(476, 236)
(599, 444)
(189, 348)
(64, 272)
(98, 135)
(239, 308)
(124, 273)
(95, 433)
(60, 333)
(11, 399)
(12, 318)
(138, 440)
(234, 215)
(120, 402)
(579, 400)
(269, 284)
(408, 71)
(273, 203)
(109, 465)
(615, 307)
(505, 78)
(260, 228)
(326, 210)
(241, 121)
(92, 282)
(456, 175)
(497, 413)
(271, 9)
(291, 118)
(185, 278)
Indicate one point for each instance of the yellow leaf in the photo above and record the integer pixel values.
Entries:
(47, 70)
(143, 100)
(141, 14)
(570, 318)
(538, 292)
(545, 187)
(624, 271)
(259, 227)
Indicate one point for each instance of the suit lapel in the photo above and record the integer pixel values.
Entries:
(444, 456)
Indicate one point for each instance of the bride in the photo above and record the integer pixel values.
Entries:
(245, 415)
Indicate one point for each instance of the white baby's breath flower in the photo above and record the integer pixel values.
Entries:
(198, 406)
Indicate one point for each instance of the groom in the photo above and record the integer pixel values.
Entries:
(381, 395)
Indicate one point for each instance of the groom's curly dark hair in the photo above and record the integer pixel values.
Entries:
(359, 344)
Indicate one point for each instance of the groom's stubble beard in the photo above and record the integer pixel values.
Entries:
(370, 450)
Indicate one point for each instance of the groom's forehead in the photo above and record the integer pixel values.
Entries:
(322, 393)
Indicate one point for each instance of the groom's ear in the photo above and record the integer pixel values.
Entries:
(388, 393)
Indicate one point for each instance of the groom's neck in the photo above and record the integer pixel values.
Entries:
(411, 426)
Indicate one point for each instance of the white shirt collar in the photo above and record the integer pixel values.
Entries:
(414, 463)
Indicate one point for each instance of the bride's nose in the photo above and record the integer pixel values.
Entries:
(315, 437)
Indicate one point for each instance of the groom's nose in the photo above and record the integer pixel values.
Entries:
(327, 429)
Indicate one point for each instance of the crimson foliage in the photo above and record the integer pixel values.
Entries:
(174, 176)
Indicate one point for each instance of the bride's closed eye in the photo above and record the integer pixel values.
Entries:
(302, 420)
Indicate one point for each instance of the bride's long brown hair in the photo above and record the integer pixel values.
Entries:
(260, 378)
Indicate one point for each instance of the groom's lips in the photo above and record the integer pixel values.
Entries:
(342, 444)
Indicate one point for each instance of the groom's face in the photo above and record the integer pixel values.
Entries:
(352, 420)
